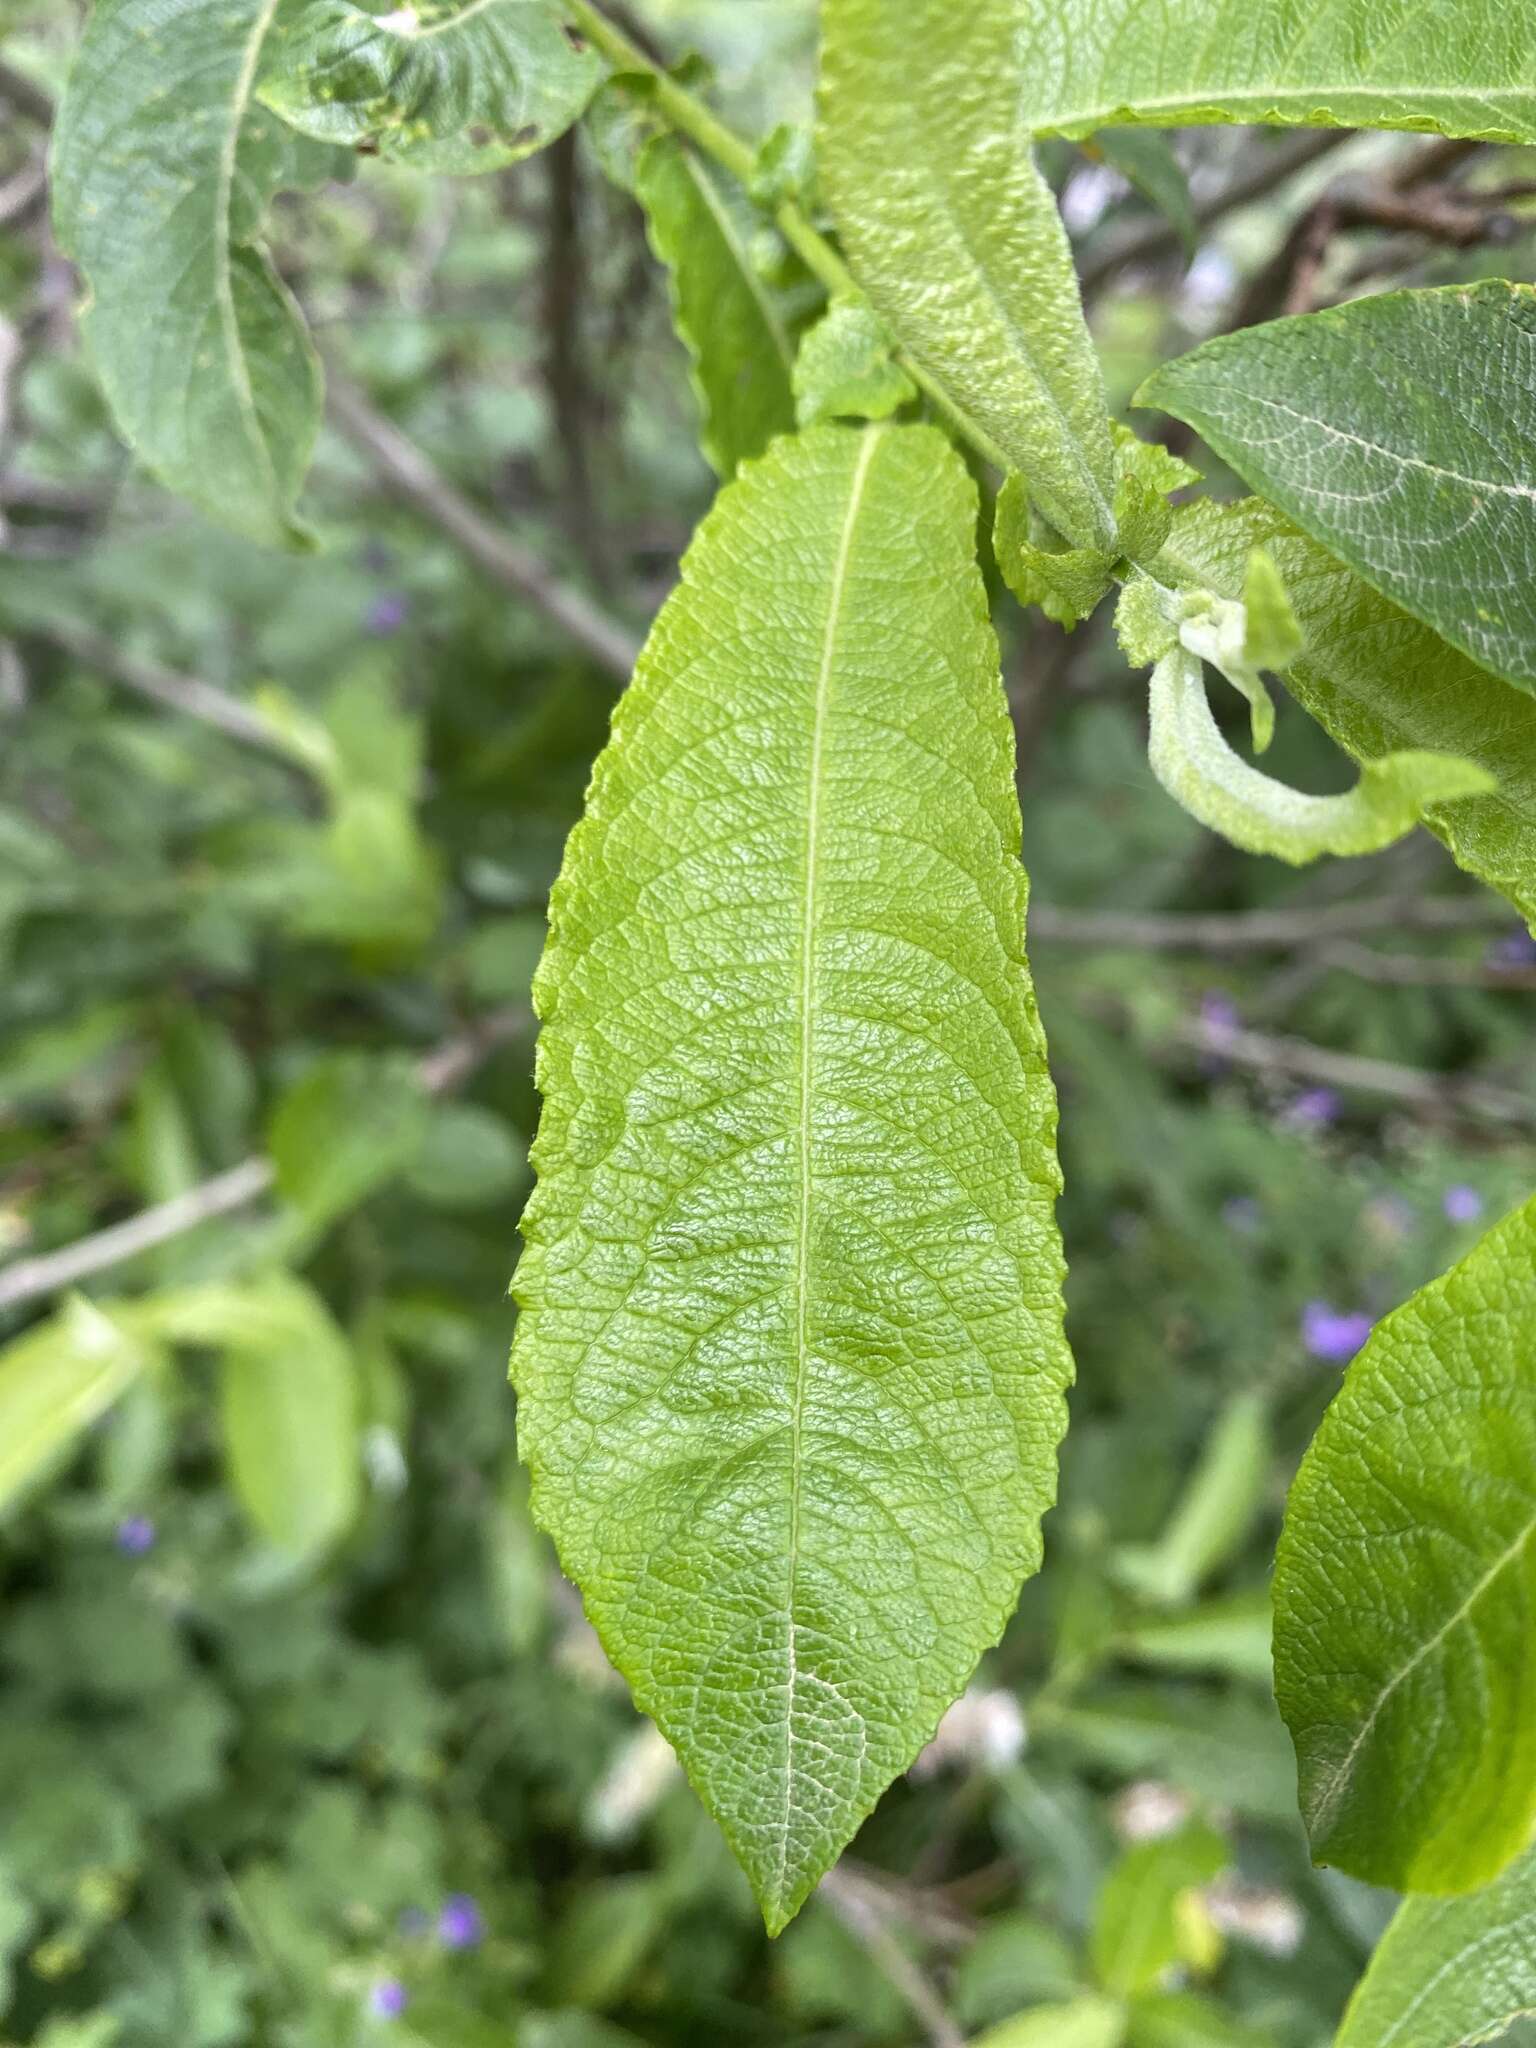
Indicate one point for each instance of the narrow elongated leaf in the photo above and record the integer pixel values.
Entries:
(1399, 431)
(54, 1382)
(1379, 683)
(1405, 1586)
(733, 322)
(1465, 67)
(955, 236)
(162, 171)
(1449, 1971)
(1137, 1926)
(790, 1362)
(445, 85)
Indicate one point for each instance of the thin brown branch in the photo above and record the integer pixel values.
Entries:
(1154, 240)
(188, 695)
(440, 1071)
(1445, 1095)
(1263, 931)
(404, 466)
(859, 1907)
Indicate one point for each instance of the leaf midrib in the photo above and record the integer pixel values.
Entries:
(836, 594)
(718, 212)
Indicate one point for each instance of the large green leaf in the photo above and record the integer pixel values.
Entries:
(955, 236)
(1451, 1970)
(1464, 67)
(1399, 431)
(1380, 683)
(790, 1362)
(1405, 1586)
(732, 320)
(162, 171)
(445, 85)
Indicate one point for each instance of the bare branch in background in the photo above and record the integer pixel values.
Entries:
(446, 1067)
(858, 1905)
(1264, 930)
(186, 694)
(572, 400)
(408, 471)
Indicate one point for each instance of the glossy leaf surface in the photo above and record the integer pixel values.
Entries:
(162, 170)
(1379, 682)
(1399, 431)
(1465, 68)
(1449, 1971)
(790, 1362)
(955, 237)
(449, 85)
(1405, 1586)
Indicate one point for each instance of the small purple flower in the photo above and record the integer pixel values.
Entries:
(1218, 1014)
(1313, 1109)
(459, 1924)
(1515, 952)
(1462, 1204)
(388, 1999)
(1333, 1337)
(135, 1535)
(386, 615)
(1242, 1215)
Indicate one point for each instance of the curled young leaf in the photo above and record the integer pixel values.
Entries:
(443, 85)
(790, 1361)
(1194, 763)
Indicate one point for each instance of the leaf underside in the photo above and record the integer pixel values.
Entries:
(1379, 683)
(955, 237)
(1462, 67)
(1451, 1970)
(458, 86)
(1405, 1586)
(790, 1362)
(162, 169)
(1399, 431)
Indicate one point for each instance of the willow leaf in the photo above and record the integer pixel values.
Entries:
(955, 236)
(162, 170)
(1462, 67)
(1379, 683)
(734, 323)
(1449, 1971)
(1405, 1586)
(790, 1362)
(1399, 431)
(447, 85)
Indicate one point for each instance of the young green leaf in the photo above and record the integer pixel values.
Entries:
(1399, 431)
(1449, 1971)
(845, 369)
(445, 85)
(347, 1125)
(1138, 1926)
(1215, 1511)
(737, 328)
(955, 236)
(162, 170)
(1379, 683)
(1465, 67)
(54, 1382)
(1192, 760)
(1083, 2023)
(1405, 1582)
(790, 1362)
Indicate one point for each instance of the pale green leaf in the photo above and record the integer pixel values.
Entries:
(54, 1382)
(162, 171)
(445, 85)
(1192, 760)
(349, 1124)
(1138, 1926)
(1214, 1513)
(1082, 2023)
(1405, 1586)
(1229, 1635)
(737, 329)
(1449, 1971)
(955, 236)
(1183, 2019)
(1400, 431)
(845, 369)
(1379, 683)
(790, 1362)
(1464, 67)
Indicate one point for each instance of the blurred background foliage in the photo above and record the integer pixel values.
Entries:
(303, 1741)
